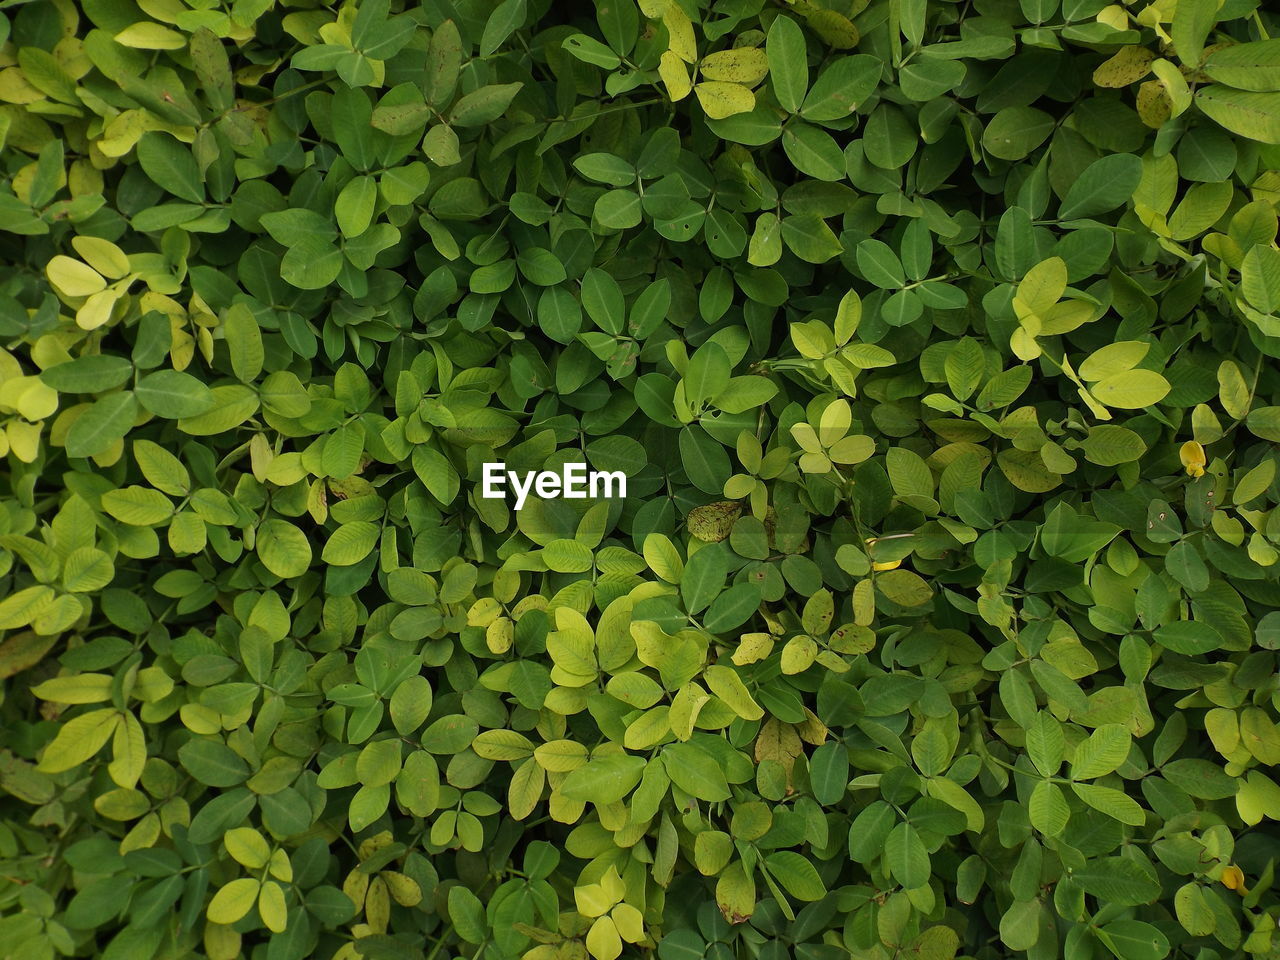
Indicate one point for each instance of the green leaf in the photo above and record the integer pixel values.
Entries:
(503, 22)
(1188, 637)
(567, 556)
(1192, 23)
(349, 544)
(604, 780)
(906, 856)
(704, 459)
(484, 105)
(1246, 66)
(813, 152)
(829, 773)
(174, 395)
(1247, 113)
(788, 63)
(732, 608)
(880, 265)
(467, 914)
(213, 68)
(89, 374)
(1015, 131)
(86, 570)
(703, 579)
(1072, 537)
(1117, 880)
(283, 548)
(171, 166)
(841, 87)
(231, 406)
(213, 763)
(618, 210)
(796, 875)
(312, 263)
(1101, 187)
(695, 771)
(810, 239)
(244, 340)
(355, 205)
(1114, 803)
(1048, 809)
(602, 299)
(449, 735)
(103, 425)
(1045, 744)
(1260, 278)
(606, 168)
(378, 763)
(1134, 940)
(1104, 750)
(137, 505)
(1020, 925)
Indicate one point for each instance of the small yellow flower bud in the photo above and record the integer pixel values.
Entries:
(1233, 878)
(1192, 456)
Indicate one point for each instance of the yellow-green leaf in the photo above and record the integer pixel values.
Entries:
(234, 900)
(79, 739)
(73, 278)
(151, 36)
(1131, 390)
(720, 99)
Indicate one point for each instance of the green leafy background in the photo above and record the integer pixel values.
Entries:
(938, 342)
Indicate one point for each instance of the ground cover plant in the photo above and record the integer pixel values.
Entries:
(937, 342)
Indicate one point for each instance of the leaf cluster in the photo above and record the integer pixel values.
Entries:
(936, 342)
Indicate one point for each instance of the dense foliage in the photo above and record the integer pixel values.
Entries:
(938, 342)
